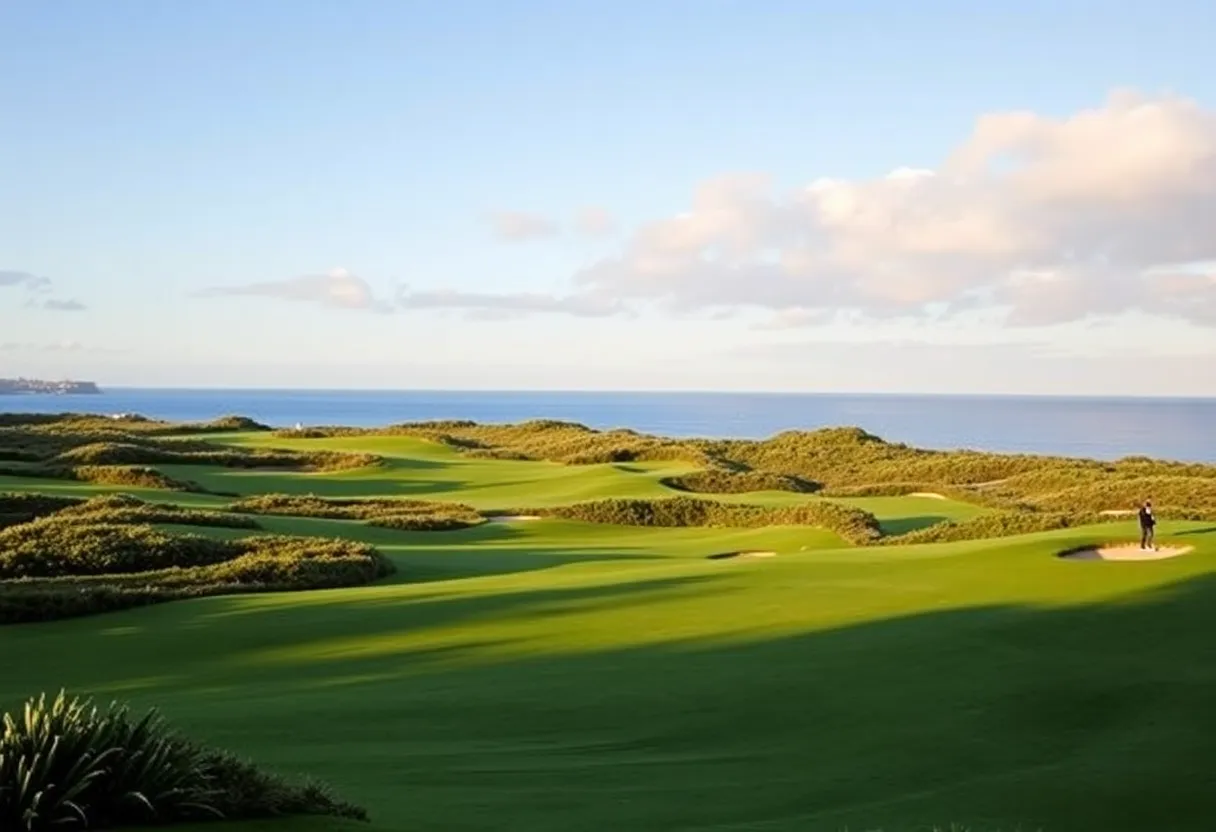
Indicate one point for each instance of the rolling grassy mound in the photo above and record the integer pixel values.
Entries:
(601, 668)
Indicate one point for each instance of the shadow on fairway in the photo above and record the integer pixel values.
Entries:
(1205, 530)
(422, 565)
(1093, 717)
(996, 718)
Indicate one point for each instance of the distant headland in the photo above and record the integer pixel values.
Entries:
(34, 386)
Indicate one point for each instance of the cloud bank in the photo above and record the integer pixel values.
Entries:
(492, 306)
(339, 289)
(36, 288)
(1033, 220)
(24, 280)
(1107, 211)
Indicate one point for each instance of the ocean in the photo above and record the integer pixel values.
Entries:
(1098, 428)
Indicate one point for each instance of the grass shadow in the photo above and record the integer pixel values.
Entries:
(1190, 532)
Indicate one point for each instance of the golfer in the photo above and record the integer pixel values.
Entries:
(1147, 523)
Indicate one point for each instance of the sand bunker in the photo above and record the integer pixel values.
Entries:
(932, 495)
(753, 553)
(512, 518)
(1118, 512)
(1126, 552)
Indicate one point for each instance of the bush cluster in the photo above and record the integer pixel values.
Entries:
(58, 567)
(123, 508)
(853, 524)
(406, 515)
(997, 524)
(203, 453)
(120, 452)
(727, 481)
(130, 476)
(1128, 492)
(966, 494)
(66, 764)
(52, 547)
(22, 507)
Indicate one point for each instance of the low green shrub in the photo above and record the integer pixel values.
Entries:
(725, 481)
(853, 524)
(963, 494)
(130, 476)
(410, 515)
(425, 522)
(180, 452)
(998, 524)
(62, 567)
(51, 547)
(127, 510)
(22, 507)
(65, 764)
(1127, 493)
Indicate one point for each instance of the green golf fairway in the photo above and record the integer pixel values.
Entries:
(541, 674)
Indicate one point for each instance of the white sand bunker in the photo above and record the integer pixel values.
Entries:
(751, 553)
(512, 518)
(1126, 552)
(932, 495)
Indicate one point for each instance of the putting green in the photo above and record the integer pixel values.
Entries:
(550, 675)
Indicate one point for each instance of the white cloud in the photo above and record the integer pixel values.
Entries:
(338, 289)
(490, 306)
(518, 226)
(594, 221)
(1051, 220)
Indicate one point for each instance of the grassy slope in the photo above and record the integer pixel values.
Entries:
(589, 677)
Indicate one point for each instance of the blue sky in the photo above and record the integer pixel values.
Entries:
(621, 195)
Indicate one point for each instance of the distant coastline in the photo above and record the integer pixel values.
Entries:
(40, 387)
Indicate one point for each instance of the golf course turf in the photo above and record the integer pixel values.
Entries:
(543, 674)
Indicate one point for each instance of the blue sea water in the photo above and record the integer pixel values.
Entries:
(1099, 428)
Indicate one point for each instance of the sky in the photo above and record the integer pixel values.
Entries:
(865, 196)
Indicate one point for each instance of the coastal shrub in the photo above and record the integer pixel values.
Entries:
(498, 453)
(1127, 493)
(723, 481)
(51, 547)
(999, 524)
(235, 423)
(67, 764)
(264, 563)
(409, 515)
(202, 453)
(852, 524)
(130, 476)
(425, 522)
(22, 507)
(965, 494)
(125, 509)
(94, 441)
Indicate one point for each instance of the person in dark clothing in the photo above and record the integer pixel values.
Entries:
(1147, 524)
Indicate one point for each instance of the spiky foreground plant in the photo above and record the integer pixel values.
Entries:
(65, 764)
